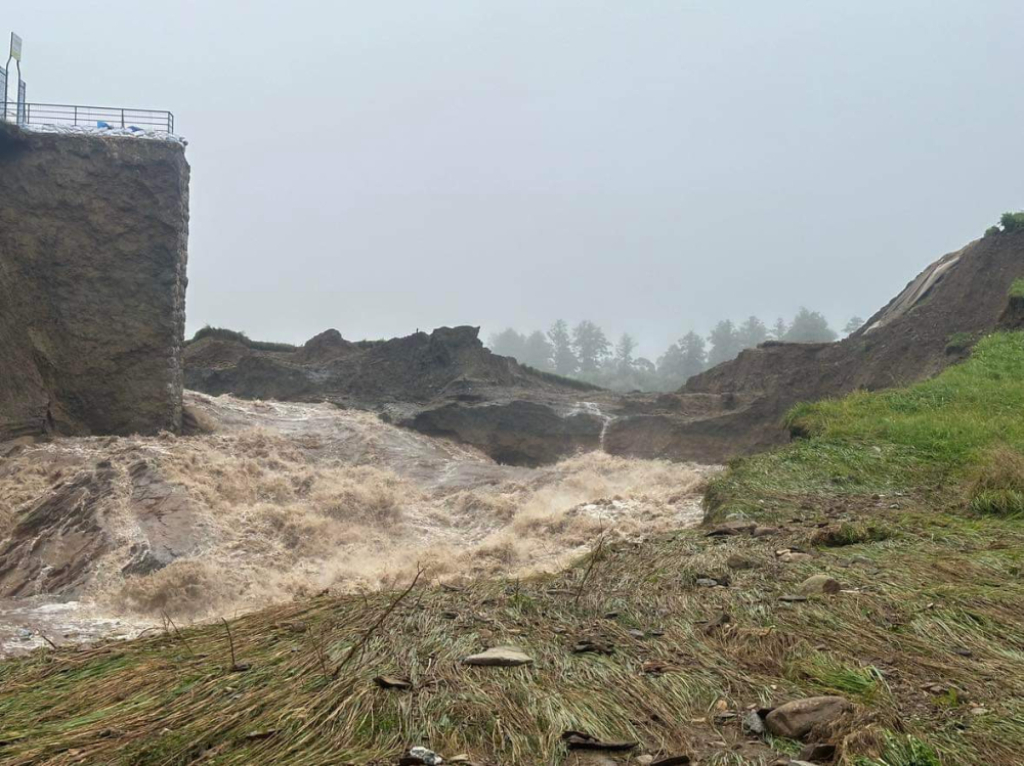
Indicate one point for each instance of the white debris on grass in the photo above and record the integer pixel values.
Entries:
(92, 130)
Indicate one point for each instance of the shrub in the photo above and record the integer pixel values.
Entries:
(992, 230)
(1017, 288)
(222, 333)
(958, 341)
(850, 533)
(1012, 221)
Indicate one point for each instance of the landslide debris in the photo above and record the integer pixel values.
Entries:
(444, 383)
(738, 407)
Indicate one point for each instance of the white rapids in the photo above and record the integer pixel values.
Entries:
(287, 499)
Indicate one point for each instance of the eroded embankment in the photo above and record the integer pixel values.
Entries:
(283, 500)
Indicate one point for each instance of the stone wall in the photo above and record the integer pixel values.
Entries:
(93, 252)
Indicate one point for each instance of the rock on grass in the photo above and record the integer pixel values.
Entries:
(796, 719)
(500, 657)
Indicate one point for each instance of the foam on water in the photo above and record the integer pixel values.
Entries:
(288, 499)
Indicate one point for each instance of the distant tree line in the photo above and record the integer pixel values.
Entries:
(585, 353)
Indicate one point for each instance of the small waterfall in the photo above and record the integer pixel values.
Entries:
(592, 408)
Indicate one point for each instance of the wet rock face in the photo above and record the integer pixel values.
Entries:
(514, 433)
(93, 236)
(51, 547)
(59, 541)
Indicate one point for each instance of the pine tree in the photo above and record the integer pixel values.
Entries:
(538, 352)
(563, 356)
(780, 329)
(694, 356)
(624, 352)
(752, 333)
(853, 325)
(725, 343)
(591, 346)
(810, 327)
(670, 367)
(508, 342)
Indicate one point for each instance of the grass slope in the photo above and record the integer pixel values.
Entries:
(927, 637)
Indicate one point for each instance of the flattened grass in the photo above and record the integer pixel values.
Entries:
(934, 601)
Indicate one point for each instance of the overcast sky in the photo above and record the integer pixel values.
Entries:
(655, 166)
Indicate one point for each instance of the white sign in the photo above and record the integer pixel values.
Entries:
(15, 47)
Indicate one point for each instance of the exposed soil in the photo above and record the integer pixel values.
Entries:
(443, 384)
(930, 325)
(447, 384)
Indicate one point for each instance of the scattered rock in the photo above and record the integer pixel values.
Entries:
(579, 740)
(594, 644)
(817, 752)
(673, 760)
(638, 634)
(820, 584)
(719, 622)
(730, 528)
(765, 531)
(392, 682)
(739, 561)
(706, 582)
(500, 657)
(645, 760)
(795, 557)
(753, 723)
(421, 755)
(791, 598)
(796, 719)
(963, 652)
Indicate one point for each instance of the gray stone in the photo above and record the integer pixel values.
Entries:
(753, 723)
(795, 557)
(820, 584)
(796, 719)
(429, 757)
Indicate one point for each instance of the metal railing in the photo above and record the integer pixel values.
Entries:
(87, 116)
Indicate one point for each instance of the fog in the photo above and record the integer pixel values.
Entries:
(654, 166)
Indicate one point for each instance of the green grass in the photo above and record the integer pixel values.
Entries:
(1017, 288)
(929, 435)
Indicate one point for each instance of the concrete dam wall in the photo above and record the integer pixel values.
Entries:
(93, 253)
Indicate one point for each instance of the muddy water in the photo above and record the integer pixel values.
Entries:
(283, 500)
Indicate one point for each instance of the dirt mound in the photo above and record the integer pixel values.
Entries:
(416, 368)
(444, 383)
(930, 325)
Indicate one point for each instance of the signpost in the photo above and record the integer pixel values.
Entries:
(15, 55)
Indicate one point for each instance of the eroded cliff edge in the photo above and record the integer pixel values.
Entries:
(93, 254)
